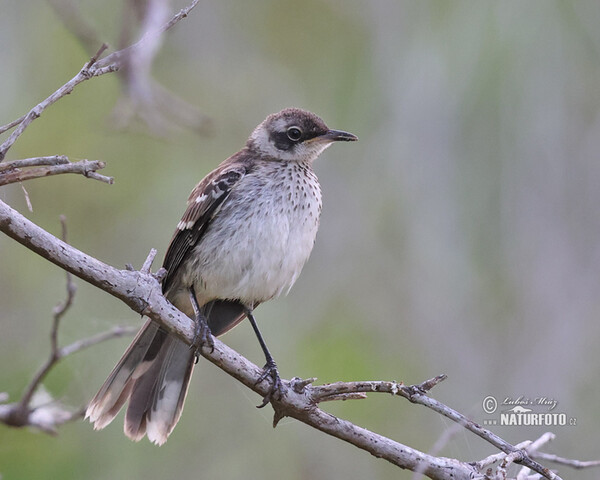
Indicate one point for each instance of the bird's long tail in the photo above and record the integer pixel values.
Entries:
(153, 374)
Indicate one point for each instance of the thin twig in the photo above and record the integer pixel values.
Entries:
(61, 308)
(47, 417)
(540, 442)
(27, 199)
(513, 457)
(58, 312)
(520, 456)
(95, 57)
(35, 112)
(148, 262)
(578, 464)
(115, 332)
(415, 394)
(95, 67)
(12, 124)
(34, 162)
(87, 168)
(497, 457)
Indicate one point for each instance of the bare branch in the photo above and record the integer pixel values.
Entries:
(10, 174)
(578, 464)
(148, 262)
(143, 99)
(497, 457)
(14, 123)
(84, 74)
(62, 308)
(36, 407)
(416, 394)
(519, 456)
(34, 162)
(115, 332)
(45, 413)
(27, 199)
(95, 67)
(58, 313)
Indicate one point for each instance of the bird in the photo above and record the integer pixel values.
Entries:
(248, 229)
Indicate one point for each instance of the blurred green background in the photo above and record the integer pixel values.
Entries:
(461, 235)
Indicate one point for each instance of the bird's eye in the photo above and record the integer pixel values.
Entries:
(294, 134)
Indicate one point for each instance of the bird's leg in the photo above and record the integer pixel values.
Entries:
(202, 335)
(270, 368)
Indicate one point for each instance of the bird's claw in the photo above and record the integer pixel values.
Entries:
(270, 371)
(202, 337)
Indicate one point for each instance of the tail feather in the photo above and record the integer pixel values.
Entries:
(157, 397)
(140, 398)
(171, 390)
(153, 376)
(115, 390)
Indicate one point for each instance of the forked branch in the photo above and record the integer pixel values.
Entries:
(43, 412)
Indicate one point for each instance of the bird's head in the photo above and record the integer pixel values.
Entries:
(294, 135)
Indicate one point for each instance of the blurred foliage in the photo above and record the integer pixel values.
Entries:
(459, 236)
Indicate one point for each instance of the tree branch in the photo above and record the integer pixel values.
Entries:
(417, 394)
(94, 68)
(14, 123)
(84, 74)
(38, 409)
(578, 464)
(34, 162)
(11, 172)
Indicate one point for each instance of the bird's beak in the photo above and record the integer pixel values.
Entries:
(339, 136)
(335, 136)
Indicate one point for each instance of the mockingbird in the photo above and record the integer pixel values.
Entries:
(248, 229)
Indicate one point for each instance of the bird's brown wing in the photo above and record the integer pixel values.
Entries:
(202, 206)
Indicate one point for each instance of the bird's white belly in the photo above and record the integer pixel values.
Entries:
(262, 257)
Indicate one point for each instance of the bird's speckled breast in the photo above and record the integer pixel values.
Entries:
(275, 210)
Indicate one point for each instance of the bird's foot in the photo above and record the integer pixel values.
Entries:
(202, 337)
(270, 371)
